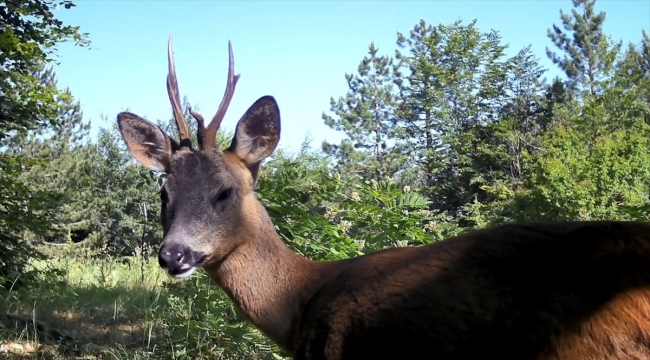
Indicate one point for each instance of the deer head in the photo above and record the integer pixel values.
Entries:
(208, 198)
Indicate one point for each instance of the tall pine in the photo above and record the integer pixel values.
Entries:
(366, 116)
(586, 55)
(451, 83)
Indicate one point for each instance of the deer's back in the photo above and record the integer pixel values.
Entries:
(569, 291)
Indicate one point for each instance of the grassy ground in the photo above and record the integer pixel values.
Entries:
(85, 308)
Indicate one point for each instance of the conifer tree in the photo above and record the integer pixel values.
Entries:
(451, 84)
(366, 116)
(586, 55)
(63, 149)
(634, 67)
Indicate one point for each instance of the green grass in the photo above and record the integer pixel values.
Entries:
(86, 308)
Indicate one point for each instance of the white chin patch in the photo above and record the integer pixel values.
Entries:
(185, 273)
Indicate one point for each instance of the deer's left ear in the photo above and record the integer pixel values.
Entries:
(257, 134)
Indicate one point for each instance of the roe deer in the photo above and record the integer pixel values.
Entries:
(569, 290)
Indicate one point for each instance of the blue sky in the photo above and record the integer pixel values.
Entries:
(297, 51)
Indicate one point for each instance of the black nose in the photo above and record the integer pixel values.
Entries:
(173, 256)
(170, 256)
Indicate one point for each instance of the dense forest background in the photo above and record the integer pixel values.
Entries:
(446, 135)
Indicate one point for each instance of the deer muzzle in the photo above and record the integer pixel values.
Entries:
(178, 260)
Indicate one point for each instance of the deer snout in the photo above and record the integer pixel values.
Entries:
(179, 261)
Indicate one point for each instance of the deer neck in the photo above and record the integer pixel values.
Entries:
(268, 281)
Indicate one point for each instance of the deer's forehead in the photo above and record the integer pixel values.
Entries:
(198, 165)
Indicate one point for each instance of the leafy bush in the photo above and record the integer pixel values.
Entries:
(323, 218)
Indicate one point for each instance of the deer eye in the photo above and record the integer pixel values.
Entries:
(223, 195)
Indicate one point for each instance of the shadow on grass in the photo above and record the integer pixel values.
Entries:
(84, 318)
(102, 308)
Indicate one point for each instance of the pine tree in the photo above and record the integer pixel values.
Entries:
(587, 56)
(451, 82)
(522, 120)
(366, 116)
(62, 148)
(634, 67)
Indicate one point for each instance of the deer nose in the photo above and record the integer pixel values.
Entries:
(177, 258)
(171, 256)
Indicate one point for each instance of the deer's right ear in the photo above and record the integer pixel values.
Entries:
(148, 144)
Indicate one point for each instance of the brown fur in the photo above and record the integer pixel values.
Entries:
(573, 290)
(536, 291)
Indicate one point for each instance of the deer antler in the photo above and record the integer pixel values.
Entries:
(207, 136)
(175, 99)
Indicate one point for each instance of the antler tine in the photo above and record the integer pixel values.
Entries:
(211, 132)
(175, 99)
(200, 127)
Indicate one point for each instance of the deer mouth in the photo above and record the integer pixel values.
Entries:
(180, 262)
(183, 272)
(186, 269)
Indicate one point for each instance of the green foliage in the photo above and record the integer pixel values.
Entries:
(500, 147)
(28, 34)
(446, 136)
(327, 219)
(455, 84)
(22, 209)
(126, 197)
(62, 168)
(634, 67)
(578, 180)
(202, 322)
